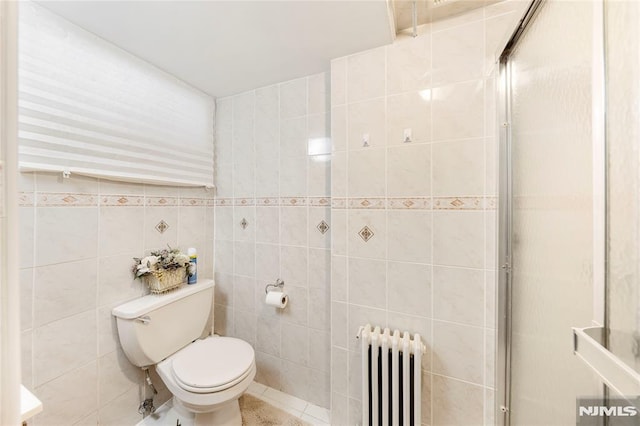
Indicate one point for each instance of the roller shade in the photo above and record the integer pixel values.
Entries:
(89, 107)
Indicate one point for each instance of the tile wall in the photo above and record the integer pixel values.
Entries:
(273, 221)
(78, 237)
(414, 221)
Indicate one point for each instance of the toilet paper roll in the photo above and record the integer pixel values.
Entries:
(277, 299)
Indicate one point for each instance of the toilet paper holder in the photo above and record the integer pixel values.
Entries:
(278, 284)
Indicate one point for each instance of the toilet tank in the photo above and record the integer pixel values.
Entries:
(155, 326)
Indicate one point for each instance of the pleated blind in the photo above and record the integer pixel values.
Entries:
(88, 107)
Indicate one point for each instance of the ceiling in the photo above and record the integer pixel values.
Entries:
(226, 47)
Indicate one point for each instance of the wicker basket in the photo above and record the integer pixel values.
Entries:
(165, 280)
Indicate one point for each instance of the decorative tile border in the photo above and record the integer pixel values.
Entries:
(293, 201)
(367, 203)
(244, 201)
(373, 203)
(161, 201)
(420, 203)
(122, 200)
(338, 203)
(268, 201)
(25, 199)
(458, 203)
(320, 201)
(66, 200)
(193, 202)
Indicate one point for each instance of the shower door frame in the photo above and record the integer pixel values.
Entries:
(505, 202)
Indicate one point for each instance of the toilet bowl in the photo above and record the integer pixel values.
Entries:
(208, 376)
(205, 375)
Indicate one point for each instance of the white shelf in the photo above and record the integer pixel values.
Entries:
(587, 345)
(29, 404)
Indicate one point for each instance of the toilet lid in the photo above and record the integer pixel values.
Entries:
(213, 362)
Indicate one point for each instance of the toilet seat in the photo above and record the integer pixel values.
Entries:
(212, 365)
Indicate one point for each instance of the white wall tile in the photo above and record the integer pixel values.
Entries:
(452, 344)
(366, 117)
(268, 370)
(224, 223)
(116, 375)
(456, 402)
(63, 290)
(365, 177)
(458, 168)
(243, 294)
(26, 298)
(120, 411)
(296, 311)
(293, 265)
(316, 237)
(339, 278)
(268, 335)
(458, 111)
(376, 246)
(267, 262)
(409, 171)
(319, 182)
(154, 240)
(409, 288)
(66, 234)
(456, 293)
(295, 343)
(293, 176)
(458, 53)
(293, 137)
(293, 98)
(339, 128)
(244, 326)
(70, 397)
(458, 238)
(319, 268)
(121, 229)
(240, 233)
(366, 75)
(318, 93)
(339, 174)
(244, 259)
(63, 345)
(340, 372)
(192, 223)
(224, 147)
(338, 81)
(367, 282)
(409, 65)
(27, 217)
(26, 358)
(409, 236)
(295, 379)
(410, 110)
(339, 316)
(294, 226)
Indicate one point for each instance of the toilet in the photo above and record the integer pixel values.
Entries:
(205, 375)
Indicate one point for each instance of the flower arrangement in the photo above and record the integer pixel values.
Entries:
(162, 270)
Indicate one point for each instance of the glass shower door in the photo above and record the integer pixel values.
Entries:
(550, 270)
(622, 35)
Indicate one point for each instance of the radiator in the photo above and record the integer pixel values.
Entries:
(391, 377)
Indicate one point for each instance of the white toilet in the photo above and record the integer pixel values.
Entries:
(206, 376)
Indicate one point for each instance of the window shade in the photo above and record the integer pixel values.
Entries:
(88, 107)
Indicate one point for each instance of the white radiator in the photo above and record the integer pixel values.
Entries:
(391, 377)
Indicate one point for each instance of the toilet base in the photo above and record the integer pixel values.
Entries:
(226, 415)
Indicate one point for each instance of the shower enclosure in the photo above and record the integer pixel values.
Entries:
(570, 199)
